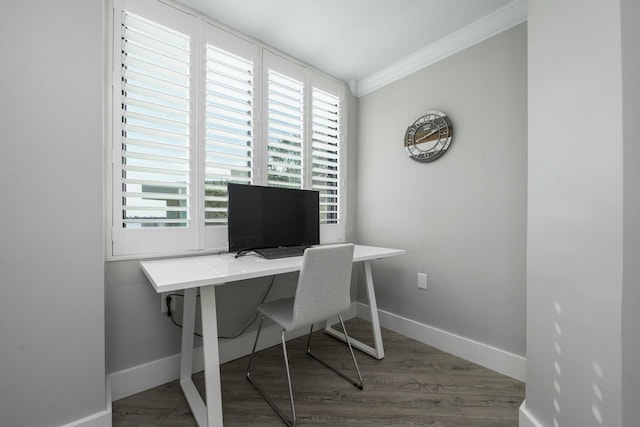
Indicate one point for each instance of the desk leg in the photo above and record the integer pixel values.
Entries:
(378, 350)
(188, 326)
(209, 415)
(211, 355)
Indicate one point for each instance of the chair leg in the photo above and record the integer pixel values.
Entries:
(286, 362)
(253, 351)
(357, 384)
(289, 421)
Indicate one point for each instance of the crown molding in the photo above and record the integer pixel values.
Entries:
(502, 19)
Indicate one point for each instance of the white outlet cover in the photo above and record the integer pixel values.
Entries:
(422, 281)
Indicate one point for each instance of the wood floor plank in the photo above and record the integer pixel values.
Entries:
(414, 385)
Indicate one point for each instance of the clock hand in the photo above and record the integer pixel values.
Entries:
(428, 135)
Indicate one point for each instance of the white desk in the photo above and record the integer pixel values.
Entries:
(206, 272)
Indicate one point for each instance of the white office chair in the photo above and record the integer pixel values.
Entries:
(322, 293)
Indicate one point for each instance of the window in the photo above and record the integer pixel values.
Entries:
(325, 154)
(196, 107)
(230, 119)
(285, 123)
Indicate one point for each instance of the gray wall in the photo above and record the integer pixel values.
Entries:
(52, 368)
(136, 331)
(462, 218)
(631, 214)
(583, 235)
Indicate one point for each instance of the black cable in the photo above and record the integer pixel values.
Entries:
(245, 252)
(255, 317)
(167, 301)
(170, 314)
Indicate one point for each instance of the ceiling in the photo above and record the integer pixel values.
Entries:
(354, 40)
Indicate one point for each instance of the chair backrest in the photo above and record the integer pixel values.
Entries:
(324, 284)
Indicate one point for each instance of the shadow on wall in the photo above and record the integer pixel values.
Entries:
(597, 376)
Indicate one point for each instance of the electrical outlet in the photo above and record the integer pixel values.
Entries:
(422, 281)
(163, 302)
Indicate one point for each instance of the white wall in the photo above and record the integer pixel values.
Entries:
(52, 368)
(575, 223)
(462, 218)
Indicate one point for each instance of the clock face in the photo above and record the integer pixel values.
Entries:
(428, 137)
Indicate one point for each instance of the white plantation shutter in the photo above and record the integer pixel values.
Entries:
(155, 125)
(285, 122)
(229, 122)
(325, 153)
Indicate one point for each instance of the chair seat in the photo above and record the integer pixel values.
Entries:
(281, 312)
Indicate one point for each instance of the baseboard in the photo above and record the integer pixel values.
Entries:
(526, 419)
(157, 372)
(485, 355)
(149, 375)
(99, 419)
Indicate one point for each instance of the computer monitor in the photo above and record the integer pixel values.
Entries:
(268, 217)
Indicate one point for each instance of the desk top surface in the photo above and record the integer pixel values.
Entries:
(190, 272)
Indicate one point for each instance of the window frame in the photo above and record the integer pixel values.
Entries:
(197, 238)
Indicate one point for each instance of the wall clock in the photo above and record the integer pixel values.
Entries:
(429, 137)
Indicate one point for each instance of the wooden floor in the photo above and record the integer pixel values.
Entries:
(414, 385)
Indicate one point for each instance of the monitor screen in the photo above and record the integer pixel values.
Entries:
(267, 217)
